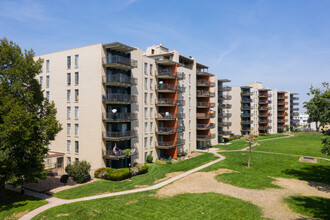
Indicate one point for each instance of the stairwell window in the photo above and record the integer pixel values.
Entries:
(68, 95)
(68, 145)
(47, 65)
(47, 95)
(76, 130)
(68, 161)
(151, 81)
(145, 113)
(68, 79)
(145, 143)
(151, 144)
(41, 81)
(76, 61)
(76, 146)
(76, 95)
(145, 127)
(145, 83)
(151, 69)
(76, 78)
(47, 81)
(68, 129)
(76, 112)
(68, 62)
(145, 68)
(151, 112)
(68, 109)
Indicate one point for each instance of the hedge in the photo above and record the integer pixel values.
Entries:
(119, 174)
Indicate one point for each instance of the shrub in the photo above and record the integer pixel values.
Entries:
(150, 158)
(116, 174)
(169, 162)
(143, 169)
(98, 172)
(79, 171)
(127, 152)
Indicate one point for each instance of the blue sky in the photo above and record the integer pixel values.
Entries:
(283, 43)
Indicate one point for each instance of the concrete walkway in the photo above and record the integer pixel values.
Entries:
(53, 201)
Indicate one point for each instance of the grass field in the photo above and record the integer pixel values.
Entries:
(265, 166)
(146, 205)
(271, 136)
(234, 145)
(315, 207)
(13, 206)
(156, 171)
(304, 143)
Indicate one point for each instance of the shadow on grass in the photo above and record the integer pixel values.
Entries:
(315, 207)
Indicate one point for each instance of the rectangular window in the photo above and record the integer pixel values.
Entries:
(76, 112)
(145, 83)
(68, 129)
(151, 83)
(68, 62)
(76, 146)
(145, 142)
(151, 124)
(76, 78)
(41, 81)
(189, 78)
(150, 69)
(189, 124)
(68, 95)
(151, 143)
(145, 98)
(47, 66)
(145, 68)
(68, 79)
(68, 159)
(189, 101)
(68, 111)
(189, 135)
(68, 145)
(145, 127)
(76, 160)
(47, 95)
(151, 98)
(76, 130)
(189, 113)
(76, 61)
(76, 95)
(145, 113)
(151, 112)
(189, 90)
(47, 81)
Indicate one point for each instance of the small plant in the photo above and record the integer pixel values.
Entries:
(127, 152)
(79, 171)
(143, 169)
(150, 158)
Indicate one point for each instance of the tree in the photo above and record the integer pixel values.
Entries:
(27, 120)
(252, 140)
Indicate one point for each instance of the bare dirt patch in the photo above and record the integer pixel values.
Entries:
(168, 176)
(131, 202)
(16, 215)
(140, 186)
(269, 200)
(62, 214)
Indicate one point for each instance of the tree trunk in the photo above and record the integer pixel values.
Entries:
(249, 156)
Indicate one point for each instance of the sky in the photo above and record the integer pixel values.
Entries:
(284, 44)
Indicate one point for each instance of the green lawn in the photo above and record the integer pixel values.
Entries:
(304, 143)
(315, 207)
(234, 145)
(13, 206)
(156, 172)
(265, 166)
(271, 136)
(146, 205)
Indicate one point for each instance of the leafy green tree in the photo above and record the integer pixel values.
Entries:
(27, 120)
(252, 140)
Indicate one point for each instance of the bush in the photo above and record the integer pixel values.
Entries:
(116, 174)
(169, 162)
(231, 138)
(99, 171)
(79, 171)
(150, 158)
(143, 169)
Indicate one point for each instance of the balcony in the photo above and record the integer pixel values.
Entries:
(205, 126)
(205, 115)
(170, 130)
(169, 116)
(205, 137)
(169, 102)
(282, 103)
(261, 108)
(295, 114)
(246, 100)
(264, 114)
(224, 97)
(246, 93)
(119, 80)
(224, 115)
(282, 109)
(116, 98)
(246, 122)
(119, 117)
(205, 94)
(294, 103)
(203, 73)
(119, 135)
(224, 133)
(295, 98)
(264, 121)
(281, 97)
(224, 88)
(224, 124)
(204, 82)
(264, 127)
(119, 62)
(224, 106)
(282, 120)
(264, 101)
(245, 129)
(294, 109)
(265, 95)
(168, 88)
(246, 108)
(169, 144)
(205, 104)
(282, 115)
(110, 154)
(169, 74)
(281, 126)
(246, 115)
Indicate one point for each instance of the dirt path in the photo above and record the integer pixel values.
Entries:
(269, 200)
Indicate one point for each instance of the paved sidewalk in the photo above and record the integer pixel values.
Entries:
(53, 201)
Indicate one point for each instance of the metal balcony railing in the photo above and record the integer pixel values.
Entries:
(282, 103)
(282, 115)
(246, 115)
(224, 132)
(246, 121)
(224, 115)
(170, 144)
(115, 97)
(282, 97)
(294, 103)
(264, 102)
(282, 120)
(264, 114)
(247, 107)
(170, 130)
(245, 129)
(205, 115)
(295, 98)
(205, 104)
(205, 94)
(119, 116)
(264, 127)
(116, 59)
(170, 73)
(246, 93)
(170, 87)
(224, 106)
(265, 95)
(204, 82)
(224, 88)
(206, 126)
(294, 109)
(206, 136)
(119, 134)
(169, 101)
(224, 97)
(282, 109)
(224, 124)
(265, 121)
(246, 100)
(119, 79)
(119, 154)
(264, 108)
(169, 116)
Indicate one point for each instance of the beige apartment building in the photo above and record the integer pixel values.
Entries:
(255, 108)
(117, 104)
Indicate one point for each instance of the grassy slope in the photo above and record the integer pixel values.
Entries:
(265, 166)
(13, 205)
(315, 207)
(234, 145)
(307, 144)
(271, 136)
(156, 172)
(146, 205)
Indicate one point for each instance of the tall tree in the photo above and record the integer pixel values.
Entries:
(27, 120)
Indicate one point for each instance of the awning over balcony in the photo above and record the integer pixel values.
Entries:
(119, 47)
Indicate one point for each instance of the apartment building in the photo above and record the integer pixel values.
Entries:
(257, 109)
(117, 104)
(294, 122)
(224, 117)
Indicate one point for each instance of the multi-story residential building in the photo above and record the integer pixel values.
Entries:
(223, 110)
(294, 111)
(117, 103)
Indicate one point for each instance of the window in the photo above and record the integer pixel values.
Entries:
(150, 98)
(68, 78)
(76, 78)
(145, 142)
(47, 95)
(189, 90)
(68, 129)
(150, 69)
(76, 112)
(76, 146)
(68, 145)
(151, 83)
(189, 101)
(189, 78)
(152, 51)
(189, 135)
(145, 68)
(47, 66)
(68, 62)
(145, 127)
(76, 95)
(145, 113)
(76, 130)
(76, 61)
(47, 81)
(145, 98)
(76, 160)
(145, 83)
(151, 112)
(151, 124)
(41, 81)
(189, 113)
(68, 111)
(68, 95)
(151, 144)
(68, 159)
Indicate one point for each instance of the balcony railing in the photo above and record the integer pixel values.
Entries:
(282, 120)
(170, 144)
(169, 116)
(265, 121)
(224, 115)
(119, 154)
(119, 116)
(246, 115)
(265, 95)
(264, 108)
(295, 109)
(119, 79)
(205, 115)
(295, 113)
(246, 122)
(224, 88)
(206, 136)
(169, 73)
(224, 132)
(224, 97)
(264, 114)
(282, 97)
(246, 93)
(282, 115)
(295, 98)
(245, 129)
(282, 109)
(205, 94)
(114, 97)
(281, 126)
(206, 126)
(282, 103)
(264, 127)
(264, 102)
(224, 106)
(205, 104)
(204, 82)
(170, 87)
(170, 130)
(294, 103)
(119, 134)
(246, 100)
(169, 101)
(247, 107)
(116, 59)
(224, 124)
